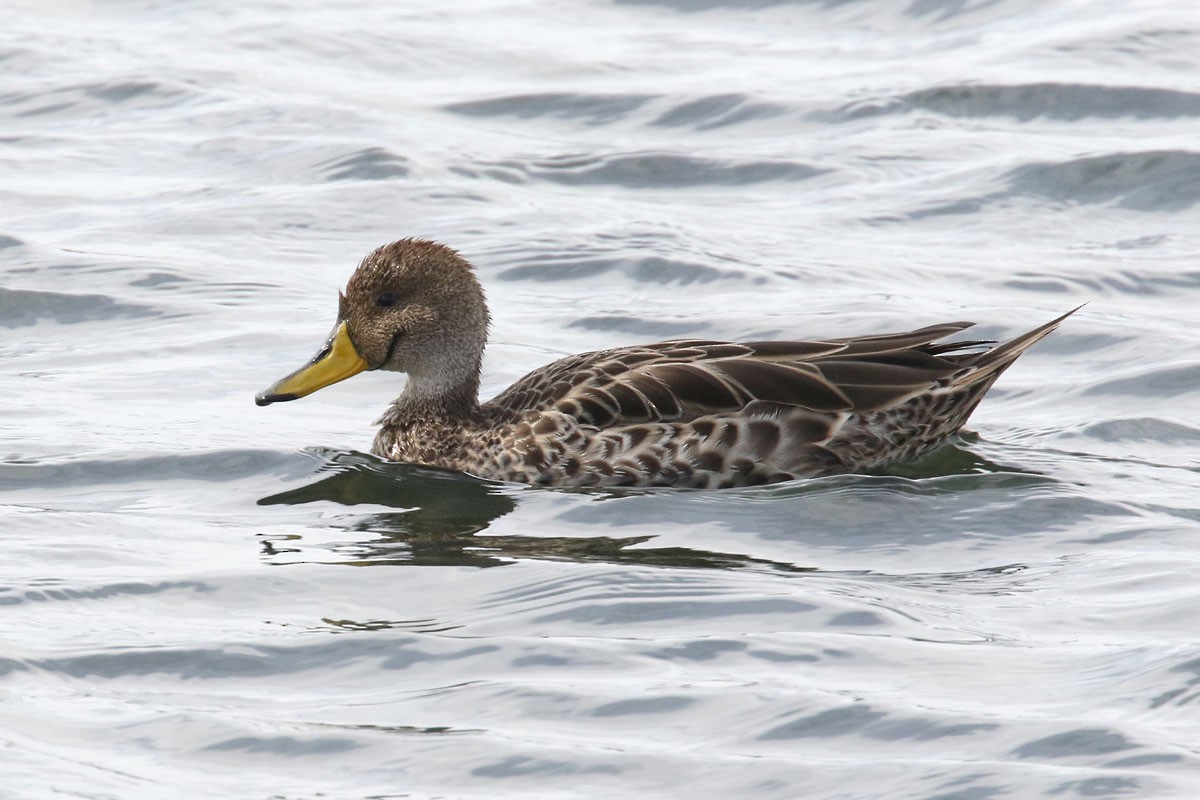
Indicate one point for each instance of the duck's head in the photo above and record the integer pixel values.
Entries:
(412, 306)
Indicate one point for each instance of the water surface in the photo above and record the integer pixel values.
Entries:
(204, 598)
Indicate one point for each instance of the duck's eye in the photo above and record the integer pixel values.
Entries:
(386, 300)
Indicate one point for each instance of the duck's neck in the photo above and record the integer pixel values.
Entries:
(430, 399)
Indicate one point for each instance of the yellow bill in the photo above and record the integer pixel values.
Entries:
(337, 360)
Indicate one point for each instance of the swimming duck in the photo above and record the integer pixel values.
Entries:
(688, 412)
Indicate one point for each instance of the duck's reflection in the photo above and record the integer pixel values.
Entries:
(441, 519)
(435, 502)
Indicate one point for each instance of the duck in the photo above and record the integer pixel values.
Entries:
(688, 413)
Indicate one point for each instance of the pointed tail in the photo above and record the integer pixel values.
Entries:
(988, 365)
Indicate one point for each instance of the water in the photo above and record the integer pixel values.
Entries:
(205, 599)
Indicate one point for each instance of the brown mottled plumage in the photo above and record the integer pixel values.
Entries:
(691, 413)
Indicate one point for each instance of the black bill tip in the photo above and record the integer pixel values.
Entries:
(265, 399)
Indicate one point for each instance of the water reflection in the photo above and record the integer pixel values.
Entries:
(955, 458)
(446, 518)
(393, 539)
(441, 521)
(436, 502)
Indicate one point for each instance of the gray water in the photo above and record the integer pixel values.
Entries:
(201, 598)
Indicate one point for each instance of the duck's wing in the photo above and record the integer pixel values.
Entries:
(685, 379)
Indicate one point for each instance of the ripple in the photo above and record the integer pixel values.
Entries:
(1170, 381)
(66, 593)
(1187, 694)
(718, 111)
(592, 109)
(1144, 282)
(1079, 742)
(224, 465)
(640, 706)
(1140, 429)
(1059, 101)
(157, 280)
(286, 746)
(637, 326)
(863, 720)
(1139, 47)
(92, 98)
(645, 269)
(625, 612)
(692, 6)
(856, 513)
(21, 308)
(524, 766)
(644, 171)
(368, 164)
(1159, 180)
(387, 653)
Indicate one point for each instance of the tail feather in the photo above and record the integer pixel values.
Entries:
(988, 365)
